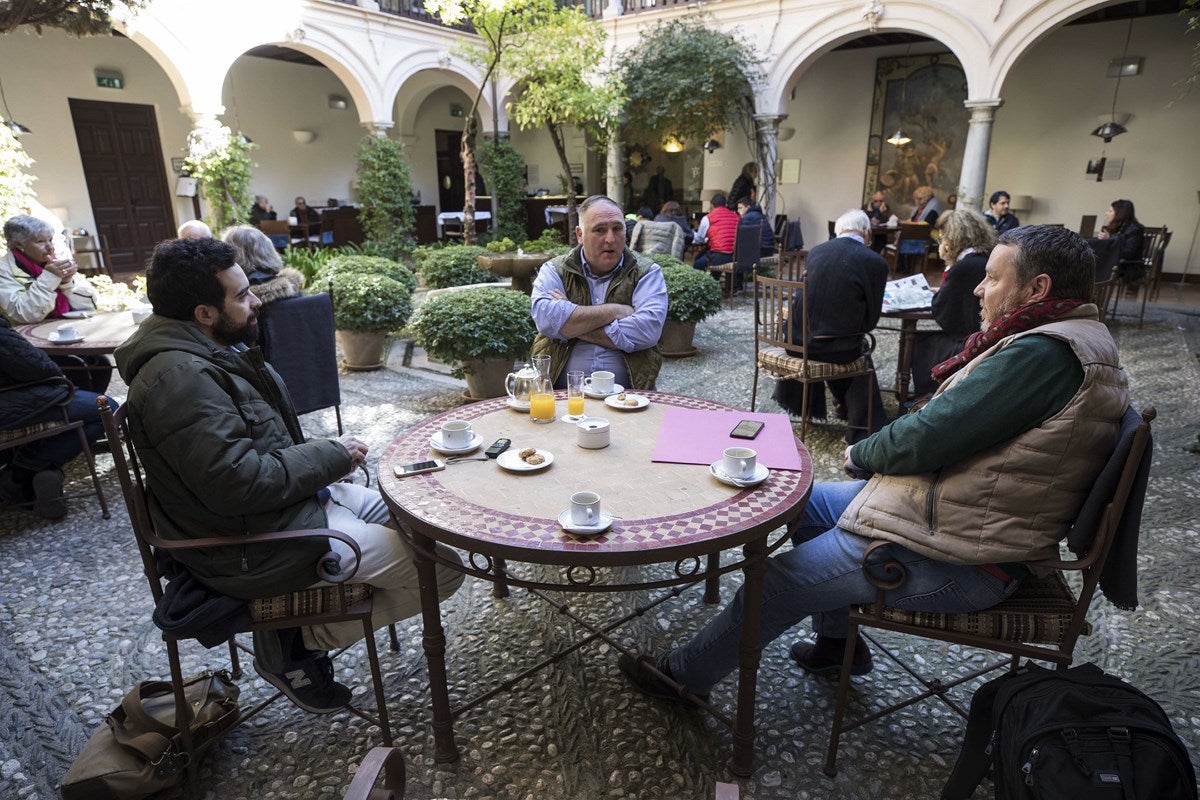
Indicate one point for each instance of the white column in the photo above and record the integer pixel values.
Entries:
(971, 189)
(616, 156)
(378, 127)
(767, 127)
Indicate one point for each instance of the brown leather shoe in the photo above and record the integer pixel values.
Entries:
(825, 656)
(649, 684)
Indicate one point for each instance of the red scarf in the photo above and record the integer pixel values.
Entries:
(1019, 320)
(61, 305)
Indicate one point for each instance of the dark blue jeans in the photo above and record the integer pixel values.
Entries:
(56, 451)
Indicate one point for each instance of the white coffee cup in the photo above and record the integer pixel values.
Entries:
(585, 508)
(293, 221)
(599, 382)
(67, 331)
(739, 462)
(456, 433)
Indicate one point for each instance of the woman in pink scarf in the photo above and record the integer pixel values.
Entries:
(34, 284)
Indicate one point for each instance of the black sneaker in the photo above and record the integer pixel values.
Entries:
(649, 684)
(309, 683)
(48, 502)
(825, 656)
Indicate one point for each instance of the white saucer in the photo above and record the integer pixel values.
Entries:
(512, 462)
(760, 475)
(77, 314)
(617, 389)
(603, 524)
(517, 405)
(435, 442)
(58, 339)
(640, 401)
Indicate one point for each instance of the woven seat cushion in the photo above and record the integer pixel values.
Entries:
(1038, 613)
(787, 367)
(9, 434)
(320, 600)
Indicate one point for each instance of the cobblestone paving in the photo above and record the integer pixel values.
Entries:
(75, 633)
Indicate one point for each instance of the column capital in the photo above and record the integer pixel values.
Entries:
(378, 127)
(769, 122)
(981, 106)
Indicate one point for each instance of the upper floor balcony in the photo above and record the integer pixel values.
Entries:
(415, 9)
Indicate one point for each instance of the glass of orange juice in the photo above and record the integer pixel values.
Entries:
(574, 397)
(541, 402)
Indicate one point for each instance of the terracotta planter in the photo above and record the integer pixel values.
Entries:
(676, 341)
(361, 351)
(486, 378)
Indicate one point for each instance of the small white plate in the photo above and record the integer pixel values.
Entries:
(617, 389)
(603, 524)
(512, 462)
(59, 339)
(78, 314)
(639, 401)
(517, 405)
(435, 442)
(760, 475)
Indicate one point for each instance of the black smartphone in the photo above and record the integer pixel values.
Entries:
(419, 467)
(498, 447)
(746, 429)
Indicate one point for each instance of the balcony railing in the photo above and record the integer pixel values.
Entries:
(415, 9)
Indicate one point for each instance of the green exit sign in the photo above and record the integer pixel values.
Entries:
(110, 81)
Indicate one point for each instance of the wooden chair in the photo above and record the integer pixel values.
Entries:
(791, 265)
(792, 238)
(1154, 244)
(781, 221)
(278, 231)
(96, 247)
(12, 438)
(297, 338)
(910, 249)
(1042, 620)
(386, 760)
(1108, 256)
(1087, 226)
(339, 602)
(779, 353)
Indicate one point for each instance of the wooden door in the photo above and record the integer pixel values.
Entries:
(451, 194)
(126, 181)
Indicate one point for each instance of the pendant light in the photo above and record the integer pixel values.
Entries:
(1113, 128)
(17, 128)
(899, 138)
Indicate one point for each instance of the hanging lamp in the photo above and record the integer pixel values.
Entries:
(1113, 128)
(17, 128)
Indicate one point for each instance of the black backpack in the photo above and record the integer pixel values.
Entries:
(1068, 734)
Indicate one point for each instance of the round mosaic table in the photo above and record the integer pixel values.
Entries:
(665, 512)
(102, 333)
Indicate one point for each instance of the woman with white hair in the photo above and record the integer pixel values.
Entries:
(34, 282)
(269, 279)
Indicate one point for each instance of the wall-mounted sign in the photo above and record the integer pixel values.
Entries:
(110, 79)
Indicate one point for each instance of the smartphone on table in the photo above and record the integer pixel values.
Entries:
(746, 429)
(418, 467)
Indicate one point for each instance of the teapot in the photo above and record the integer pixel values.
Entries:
(521, 383)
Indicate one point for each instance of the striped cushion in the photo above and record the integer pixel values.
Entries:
(787, 367)
(10, 434)
(1038, 613)
(321, 600)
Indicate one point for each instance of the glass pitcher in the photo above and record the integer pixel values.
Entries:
(521, 382)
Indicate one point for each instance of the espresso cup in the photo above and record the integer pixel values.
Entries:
(600, 382)
(456, 433)
(585, 508)
(67, 331)
(739, 462)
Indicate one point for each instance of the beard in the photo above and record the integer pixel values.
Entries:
(226, 332)
(1010, 302)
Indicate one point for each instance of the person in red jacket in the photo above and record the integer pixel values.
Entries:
(718, 230)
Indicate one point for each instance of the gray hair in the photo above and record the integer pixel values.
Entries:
(855, 220)
(23, 227)
(253, 248)
(1061, 254)
(194, 229)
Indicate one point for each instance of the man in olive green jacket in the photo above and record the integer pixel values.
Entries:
(224, 455)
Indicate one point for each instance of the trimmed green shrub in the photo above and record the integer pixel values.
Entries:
(367, 265)
(443, 267)
(458, 327)
(692, 294)
(370, 303)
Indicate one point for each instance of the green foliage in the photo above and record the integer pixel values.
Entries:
(368, 265)
(504, 172)
(456, 265)
(721, 72)
(549, 239)
(76, 17)
(385, 192)
(692, 294)
(369, 303)
(220, 160)
(16, 185)
(458, 327)
(1190, 10)
(504, 245)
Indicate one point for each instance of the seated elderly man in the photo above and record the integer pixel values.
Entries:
(846, 279)
(194, 229)
(988, 475)
(601, 306)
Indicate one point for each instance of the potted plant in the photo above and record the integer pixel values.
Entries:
(366, 308)
(692, 295)
(479, 330)
(456, 265)
(351, 264)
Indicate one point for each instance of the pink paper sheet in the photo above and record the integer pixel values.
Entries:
(695, 436)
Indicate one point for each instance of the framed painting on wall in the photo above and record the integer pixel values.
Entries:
(923, 96)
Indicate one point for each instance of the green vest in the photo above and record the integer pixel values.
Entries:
(643, 365)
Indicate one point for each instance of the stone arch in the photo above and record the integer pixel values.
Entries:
(424, 72)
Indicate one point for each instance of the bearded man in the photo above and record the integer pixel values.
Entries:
(224, 455)
(985, 477)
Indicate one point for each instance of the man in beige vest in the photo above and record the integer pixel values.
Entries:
(601, 306)
(987, 476)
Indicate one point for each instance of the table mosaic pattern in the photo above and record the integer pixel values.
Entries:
(102, 333)
(691, 509)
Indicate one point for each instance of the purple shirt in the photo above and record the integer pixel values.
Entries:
(639, 331)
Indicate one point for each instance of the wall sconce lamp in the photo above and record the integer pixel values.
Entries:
(786, 133)
(1020, 202)
(17, 128)
(303, 137)
(711, 146)
(672, 145)
(1111, 128)
(338, 102)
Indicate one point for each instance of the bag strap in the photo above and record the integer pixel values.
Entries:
(133, 704)
(976, 755)
(1119, 737)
